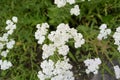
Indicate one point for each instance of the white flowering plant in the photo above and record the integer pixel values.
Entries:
(59, 39)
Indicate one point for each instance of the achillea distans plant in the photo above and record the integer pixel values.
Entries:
(9, 43)
(58, 46)
(5, 64)
(75, 11)
(63, 34)
(117, 71)
(71, 1)
(62, 3)
(41, 32)
(104, 32)
(60, 69)
(116, 37)
(56, 71)
(93, 65)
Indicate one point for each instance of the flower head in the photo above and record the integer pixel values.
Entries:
(104, 32)
(117, 71)
(75, 11)
(5, 64)
(93, 65)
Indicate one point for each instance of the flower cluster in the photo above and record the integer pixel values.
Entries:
(117, 71)
(58, 71)
(5, 64)
(41, 32)
(58, 39)
(103, 32)
(63, 34)
(62, 3)
(48, 50)
(9, 43)
(75, 11)
(116, 37)
(93, 65)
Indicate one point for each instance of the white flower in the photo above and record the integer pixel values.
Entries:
(118, 48)
(108, 31)
(68, 75)
(41, 32)
(63, 50)
(73, 32)
(104, 32)
(60, 70)
(103, 26)
(41, 75)
(71, 1)
(63, 28)
(41, 39)
(62, 66)
(4, 41)
(10, 44)
(118, 29)
(4, 53)
(11, 27)
(60, 3)
(45, 25)
(79, 43)
(5, 64)
(58, 77)
(117, 71)
(51, 35)
(75, 11)
(93, 65)
(47, 67)
(38, 35)
(9, 22)
(10, 32)
(63, 34)
(116, 37)
(59, 37)
(14, 19)
(38, 26)
(79, 40)
(4, 38)
(42, 29)
(99, 37)
(56, 71)
(48, 50)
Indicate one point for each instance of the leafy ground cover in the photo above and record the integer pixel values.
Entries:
(26, 54)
